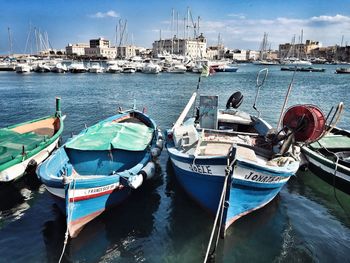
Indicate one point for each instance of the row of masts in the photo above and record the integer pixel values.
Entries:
(188, 24)
(35, 39)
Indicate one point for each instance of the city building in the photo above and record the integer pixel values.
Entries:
(297, 50)
(99, 43)
(76, 49)
(127, 51)
(101, 52)
(216, 52)
(195, 48)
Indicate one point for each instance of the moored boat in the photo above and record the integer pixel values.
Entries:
(177, 68)
(329, 157)
(96, 68)
(59, 68)
(99, 167)
(42, 68)
(342, 71)
(23, 68)
(231, 162)
(226, 68)
(77, 67)
(28, 144)
(303, 69)
(113, 68)
(150, 68)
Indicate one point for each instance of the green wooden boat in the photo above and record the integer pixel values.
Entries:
(329, 158)
(28, 144)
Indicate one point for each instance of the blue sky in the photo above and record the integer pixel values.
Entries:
(240, 23)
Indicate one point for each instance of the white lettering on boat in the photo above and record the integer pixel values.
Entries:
(262, 178)
(101, 189)
(202, 169)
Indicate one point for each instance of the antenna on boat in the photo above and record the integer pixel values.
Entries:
(259, 84)
(286, 100)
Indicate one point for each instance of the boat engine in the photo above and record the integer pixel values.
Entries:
(235, 100)
(306, 122)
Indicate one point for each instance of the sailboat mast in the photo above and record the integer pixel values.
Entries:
(177, 32)
(10, 41)
(172, 31)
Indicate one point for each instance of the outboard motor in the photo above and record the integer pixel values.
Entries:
(235, 100)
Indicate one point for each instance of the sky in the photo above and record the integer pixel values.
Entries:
(240, 23)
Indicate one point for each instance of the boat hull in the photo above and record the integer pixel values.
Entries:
(82, 204)
(252, 186)
(325, 169)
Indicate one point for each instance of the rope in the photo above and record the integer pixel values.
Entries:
(334, 177)
(219, 212)
(69, 217)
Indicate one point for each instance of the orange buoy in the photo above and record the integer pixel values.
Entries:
(306, 121)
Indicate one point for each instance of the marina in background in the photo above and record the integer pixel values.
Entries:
(155, 215)
(276, 186)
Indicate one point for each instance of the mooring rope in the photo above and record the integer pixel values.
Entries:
(219, 212)
(334, 177)
(69, 216)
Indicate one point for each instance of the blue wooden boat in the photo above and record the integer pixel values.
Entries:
(230, 162)
(101, 166)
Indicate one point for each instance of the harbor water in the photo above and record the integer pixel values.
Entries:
(309, 221)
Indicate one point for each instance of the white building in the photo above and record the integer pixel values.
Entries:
(195, 48)
(100, 42)
(126, 51)
(101, 52)
(76, 49)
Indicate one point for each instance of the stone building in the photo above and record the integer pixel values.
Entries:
(76, 49)
(301, 50)
(195, 48)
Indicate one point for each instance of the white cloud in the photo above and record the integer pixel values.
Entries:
(331, 19)
(110, 13)
(240, 15)
(248, 33)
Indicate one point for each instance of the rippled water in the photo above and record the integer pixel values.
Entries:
(307, 222)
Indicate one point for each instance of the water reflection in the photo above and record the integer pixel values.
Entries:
(312, 187)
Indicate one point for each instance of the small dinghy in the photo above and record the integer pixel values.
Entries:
(28, 144)
(100, 166)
